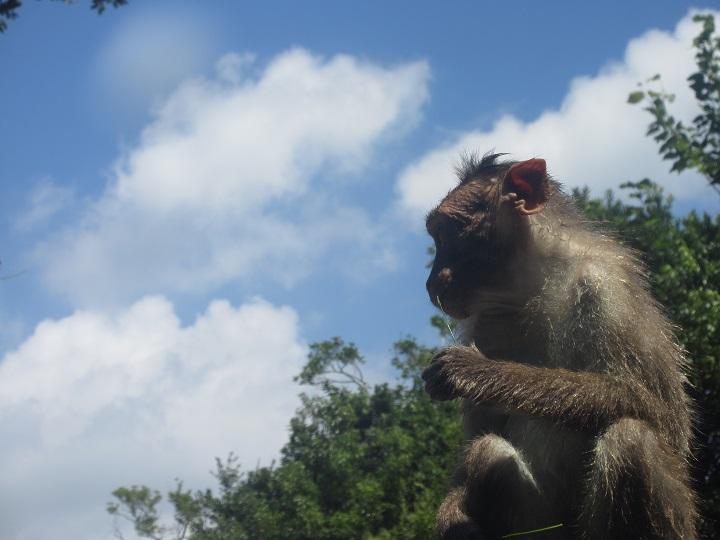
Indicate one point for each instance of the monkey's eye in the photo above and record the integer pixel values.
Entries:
(439, 240)
(444, 231)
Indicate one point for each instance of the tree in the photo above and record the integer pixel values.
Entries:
(694, 146)
(361, 462)
(9, 8)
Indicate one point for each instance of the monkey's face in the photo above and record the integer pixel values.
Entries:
(478, 229)
(467, 260)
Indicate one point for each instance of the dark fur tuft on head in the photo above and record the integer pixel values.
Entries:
(472, 165)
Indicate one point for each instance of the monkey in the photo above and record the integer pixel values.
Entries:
(576, 416)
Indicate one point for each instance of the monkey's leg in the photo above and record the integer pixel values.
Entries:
(502, 495)
(452, 521)
(637, 488)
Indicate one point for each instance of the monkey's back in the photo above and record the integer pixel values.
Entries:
(590, 312)
(595, 313)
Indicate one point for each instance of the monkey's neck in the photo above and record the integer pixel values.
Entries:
(502, 332)
(502, 325)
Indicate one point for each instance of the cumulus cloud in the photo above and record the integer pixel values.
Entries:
(224, 183)
(594, 138)
(97, 400)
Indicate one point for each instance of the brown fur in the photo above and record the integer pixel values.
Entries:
(573, 384)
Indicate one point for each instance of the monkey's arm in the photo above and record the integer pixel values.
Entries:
(582, 399)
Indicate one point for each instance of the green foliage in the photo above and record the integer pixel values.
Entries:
(8, 8)
(360, 463)
(683, 257)
(101, 5)
(139, 505)
(694, 146)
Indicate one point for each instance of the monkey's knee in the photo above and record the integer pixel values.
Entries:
(638, 488)
(492, 461)
(452, 521)
(498, 478)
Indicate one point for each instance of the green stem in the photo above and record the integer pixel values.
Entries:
(513, 535)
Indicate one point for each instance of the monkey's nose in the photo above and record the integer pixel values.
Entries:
(445, 276)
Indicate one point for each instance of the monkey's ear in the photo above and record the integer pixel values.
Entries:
(526, 186)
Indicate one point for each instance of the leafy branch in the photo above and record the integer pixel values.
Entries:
(695, 145)
(332, 363)
(8, 8)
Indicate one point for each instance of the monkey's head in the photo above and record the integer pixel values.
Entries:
(481, 227)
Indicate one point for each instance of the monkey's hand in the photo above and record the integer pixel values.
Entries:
(445, 378)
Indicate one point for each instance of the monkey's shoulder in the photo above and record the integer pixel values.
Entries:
(596, 289)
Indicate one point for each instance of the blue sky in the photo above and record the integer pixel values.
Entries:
(195, 191)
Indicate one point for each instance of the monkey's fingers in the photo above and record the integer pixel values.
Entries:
(437, 382)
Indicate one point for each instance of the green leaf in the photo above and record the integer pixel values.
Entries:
(636, 96)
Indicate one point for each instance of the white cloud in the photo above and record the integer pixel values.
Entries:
(594, 138)
(46, 200)
(96, 400)
(226, 181)
(231, 67)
